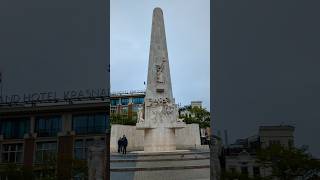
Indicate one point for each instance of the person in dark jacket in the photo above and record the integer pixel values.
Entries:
(119, 144)
(124, 144)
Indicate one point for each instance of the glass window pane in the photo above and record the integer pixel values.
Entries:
(48, 126)
(124, 101)
(19, 157)
(5, 157)
(12, 157)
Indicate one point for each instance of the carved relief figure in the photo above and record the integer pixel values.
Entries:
(160, 76)
(140, 116)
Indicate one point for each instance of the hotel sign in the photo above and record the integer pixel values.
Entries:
(51, 96)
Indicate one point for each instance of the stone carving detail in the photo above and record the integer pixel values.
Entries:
(140, 115)
(160, 76)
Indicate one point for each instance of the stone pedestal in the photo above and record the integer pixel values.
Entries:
(159, 139)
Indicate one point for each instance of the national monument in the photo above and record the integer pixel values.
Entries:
(159, 118)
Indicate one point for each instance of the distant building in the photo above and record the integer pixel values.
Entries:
(126, 102)
(282, 135)
(183, 111)
(241, 156)
(196, 104)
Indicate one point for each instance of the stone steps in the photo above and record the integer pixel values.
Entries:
(160, 159)
(126, 169)
(140, 153)
(116, 166)
(157, 166)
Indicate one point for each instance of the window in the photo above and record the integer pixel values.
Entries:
(124, 101)
(138, 100)
(14, 128)
(81, 148)
(290, 143)
(256, 171)
(244, 170)
(12, 153)
(232, 169)
(48, 126)
(90, 123)
(46, 151)
(124, 110)
(115, 102)
(135, 108)
(113, 110)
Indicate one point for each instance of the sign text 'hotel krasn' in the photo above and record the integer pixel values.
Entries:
(52, 96)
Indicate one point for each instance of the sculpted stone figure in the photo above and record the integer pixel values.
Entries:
(140, 116)
(160, 78)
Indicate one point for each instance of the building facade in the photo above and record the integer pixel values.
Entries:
(240, 157)
(31, 134)
(126, 103)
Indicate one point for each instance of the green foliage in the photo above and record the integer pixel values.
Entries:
(198, 115)
(80, 168)
(43, 171)
(123, 118)
(287, 163)
(236, 175)
(13, 171)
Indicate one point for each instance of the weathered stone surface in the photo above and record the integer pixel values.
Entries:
(185, 138)
(96, 161)
(160, 112)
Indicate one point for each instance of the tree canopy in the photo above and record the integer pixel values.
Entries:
(197, 115)
(288, 163)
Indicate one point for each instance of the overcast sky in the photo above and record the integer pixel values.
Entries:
(267, 68)
(53, 46)
(187, 25)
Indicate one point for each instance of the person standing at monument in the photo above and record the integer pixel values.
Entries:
(120, 145)
(124, 144)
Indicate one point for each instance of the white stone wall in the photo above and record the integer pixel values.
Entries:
(186, 138)
(134, 137)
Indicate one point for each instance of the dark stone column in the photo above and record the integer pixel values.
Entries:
(65, 155)
(29, 145)
(107, 141)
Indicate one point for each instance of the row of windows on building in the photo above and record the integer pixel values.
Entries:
(245, 170)
(49, 126)
(126, 101)
(13, 153)
(125, 109)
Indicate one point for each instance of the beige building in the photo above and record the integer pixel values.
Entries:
(276, 135)
(196, 104)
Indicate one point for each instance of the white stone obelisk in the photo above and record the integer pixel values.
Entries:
(160, 112)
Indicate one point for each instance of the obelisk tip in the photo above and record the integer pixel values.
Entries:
(157, 9)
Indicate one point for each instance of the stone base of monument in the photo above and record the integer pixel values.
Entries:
(177, 165)
(159, 139)
(151, 153)
(185, 138)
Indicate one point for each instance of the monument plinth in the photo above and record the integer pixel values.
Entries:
(160, 117)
